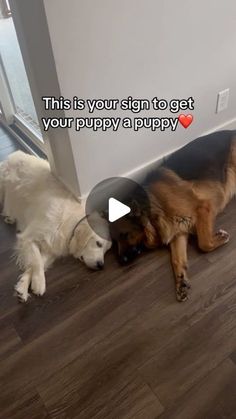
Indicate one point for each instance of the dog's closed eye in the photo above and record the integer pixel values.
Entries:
(124, 236)
(99, 244)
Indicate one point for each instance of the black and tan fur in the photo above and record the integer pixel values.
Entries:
(186, 194)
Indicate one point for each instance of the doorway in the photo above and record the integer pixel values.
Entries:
(17, 108)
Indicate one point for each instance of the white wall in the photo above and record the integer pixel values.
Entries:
(111, 48)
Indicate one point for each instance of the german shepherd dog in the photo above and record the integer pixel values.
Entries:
(186, 193)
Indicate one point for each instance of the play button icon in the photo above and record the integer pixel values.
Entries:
(116, 210)
(114, 198)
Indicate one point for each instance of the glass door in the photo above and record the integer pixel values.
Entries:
(16, 104)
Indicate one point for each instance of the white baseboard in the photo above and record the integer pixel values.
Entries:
(231, 124)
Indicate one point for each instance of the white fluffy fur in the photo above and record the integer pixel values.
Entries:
(46, 214)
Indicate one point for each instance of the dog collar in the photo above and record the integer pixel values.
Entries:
(75, 227)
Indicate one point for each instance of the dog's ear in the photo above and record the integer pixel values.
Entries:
(135, 208)
(152, 238)
(139, 210)
(81, 236)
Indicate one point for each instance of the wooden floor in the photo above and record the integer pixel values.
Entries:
(116, 344)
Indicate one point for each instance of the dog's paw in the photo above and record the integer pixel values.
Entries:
(38, 284)
(222, 236)
(9, 220)
(182, 290)
(21, 289)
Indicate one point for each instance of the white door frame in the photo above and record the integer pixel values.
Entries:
(32, 31)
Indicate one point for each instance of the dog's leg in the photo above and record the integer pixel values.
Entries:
(22, 285)
(179, 262)
(38, 282)
(9, 220)
(6, 212)
(48, 259)
(207, 239)
(30, 259)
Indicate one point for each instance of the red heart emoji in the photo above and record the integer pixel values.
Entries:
(185, 120)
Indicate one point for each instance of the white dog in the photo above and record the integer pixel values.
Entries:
(50, 221)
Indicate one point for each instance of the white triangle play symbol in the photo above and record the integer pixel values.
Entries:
(116, 209)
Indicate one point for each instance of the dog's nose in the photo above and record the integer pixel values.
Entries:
(124, 259)
(100, 264)
(130, 255)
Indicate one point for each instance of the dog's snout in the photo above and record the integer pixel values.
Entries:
(100, 264)
(124, 259)
(130, 254)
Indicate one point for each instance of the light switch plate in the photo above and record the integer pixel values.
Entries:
(222, 100)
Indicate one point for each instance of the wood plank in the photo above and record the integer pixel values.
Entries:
(212, 398)
(101, 384)
(8, 278)
(233, 357)
(192, 354)
(87, 326)
(7, 235)
(9, 340)
(24, 405)
(109, 394)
